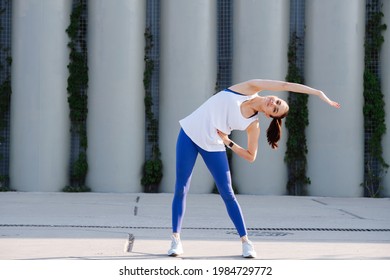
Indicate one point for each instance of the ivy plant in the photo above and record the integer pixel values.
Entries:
(296, 122)
(77, 95)
(5, 101)
(375, 165)
(152, 168)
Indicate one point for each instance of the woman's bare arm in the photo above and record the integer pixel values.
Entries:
(256, 85)
(249, 154)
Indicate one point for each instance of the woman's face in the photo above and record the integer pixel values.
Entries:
(275, 107)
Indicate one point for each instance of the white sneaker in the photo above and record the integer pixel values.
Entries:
(176, 247)
(248, 250)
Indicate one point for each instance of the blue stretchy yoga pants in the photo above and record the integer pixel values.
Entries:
(217, 163)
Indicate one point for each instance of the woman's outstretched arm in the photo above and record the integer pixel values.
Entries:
(256, 85)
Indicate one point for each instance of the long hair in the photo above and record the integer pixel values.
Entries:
(274, 131)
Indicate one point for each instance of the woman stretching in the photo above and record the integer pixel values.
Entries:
(206, 131)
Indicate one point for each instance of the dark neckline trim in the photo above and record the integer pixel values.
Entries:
(235, 92)
(255, 114)
(232, 91)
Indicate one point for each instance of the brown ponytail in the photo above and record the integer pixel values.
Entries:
(274, 132)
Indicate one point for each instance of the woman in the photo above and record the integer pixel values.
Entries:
(206, 132)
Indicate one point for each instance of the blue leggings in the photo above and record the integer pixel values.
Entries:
(217, 163)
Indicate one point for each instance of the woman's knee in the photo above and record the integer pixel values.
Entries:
(181, 190)
(228, 196)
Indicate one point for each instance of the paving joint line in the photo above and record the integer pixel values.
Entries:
(199, 228)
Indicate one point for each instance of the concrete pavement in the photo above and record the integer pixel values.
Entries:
(40, 226)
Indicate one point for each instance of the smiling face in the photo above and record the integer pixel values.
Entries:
(275, 107)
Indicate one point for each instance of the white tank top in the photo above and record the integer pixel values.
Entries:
(221, 111)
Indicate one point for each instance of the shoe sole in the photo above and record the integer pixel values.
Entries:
(249, 257)
(173, 255)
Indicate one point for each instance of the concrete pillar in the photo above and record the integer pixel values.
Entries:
(188, 77)
(334, 63)
(385, 59)
(116, 115)
(39, 152)
(261, 33)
